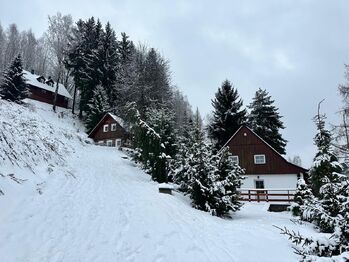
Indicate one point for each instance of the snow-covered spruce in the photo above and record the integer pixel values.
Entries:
(97, 107)
(329, 211)
(13, 86)
(211, 180)
(265, 120)
(154, 141)
(228, 114)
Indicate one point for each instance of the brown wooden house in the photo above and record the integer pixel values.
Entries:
(264, 166)
(110, 131)
(43, 90)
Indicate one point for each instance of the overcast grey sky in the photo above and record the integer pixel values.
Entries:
(294, 49)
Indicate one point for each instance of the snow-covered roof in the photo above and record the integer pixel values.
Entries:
(32, 80)
(119, 120)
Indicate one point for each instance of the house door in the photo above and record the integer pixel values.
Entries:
(260, 193)
(118, 142)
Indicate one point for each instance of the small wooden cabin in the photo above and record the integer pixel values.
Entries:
(264, 166)
(110, 131)
(43, 90)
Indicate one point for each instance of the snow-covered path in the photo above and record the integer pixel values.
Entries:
(111, 211)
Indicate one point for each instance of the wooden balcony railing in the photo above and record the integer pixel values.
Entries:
(267, 195)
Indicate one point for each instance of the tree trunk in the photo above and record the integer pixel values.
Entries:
(56, 93)
(74, 99)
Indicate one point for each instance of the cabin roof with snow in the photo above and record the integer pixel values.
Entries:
(246, 146)
(117, 119)
(49, 84)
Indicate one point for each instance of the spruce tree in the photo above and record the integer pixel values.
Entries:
(13, 86)
(154, 141)
(202, 179)
(228, 114)
(302, 197)
(97, 107)
(108, 55)
(325, 163)
(265, 120)
(228, 179)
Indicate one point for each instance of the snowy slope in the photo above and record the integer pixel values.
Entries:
(88, 203)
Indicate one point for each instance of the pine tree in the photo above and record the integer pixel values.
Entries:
(154, 142)
(13, 86)
(228, 179)
(265, 120)
(97, 107)
(228, 115)
(202, 179)
(108, 55)
(325, 161)
(302, 197)
(329, 211)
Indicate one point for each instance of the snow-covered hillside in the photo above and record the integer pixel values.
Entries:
(65, 199)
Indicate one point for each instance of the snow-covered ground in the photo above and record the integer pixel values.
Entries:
(73, 201)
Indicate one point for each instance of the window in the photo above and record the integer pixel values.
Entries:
(118, 142)
(101, 142)
(113, 127)
(259, 184)
(105, 128)
(109, 142)
(259, 159)
(235, 159)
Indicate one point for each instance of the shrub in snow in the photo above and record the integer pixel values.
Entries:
(13, 86)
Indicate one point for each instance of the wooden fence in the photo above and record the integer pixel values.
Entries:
(267, 195)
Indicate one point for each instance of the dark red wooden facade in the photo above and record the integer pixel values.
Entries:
(101, 137)
(46, 96)
(245, 144)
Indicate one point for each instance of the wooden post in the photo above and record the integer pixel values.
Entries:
(288, 195)
(266, 195)
(249, 195)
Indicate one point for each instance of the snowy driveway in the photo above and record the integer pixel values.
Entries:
(111, 211)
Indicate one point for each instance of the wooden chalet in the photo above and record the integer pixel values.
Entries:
(110, 131)
(43, 89)
(264, 167)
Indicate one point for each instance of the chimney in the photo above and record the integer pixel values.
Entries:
(32, 71)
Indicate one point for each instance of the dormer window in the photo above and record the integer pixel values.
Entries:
(105, 128)
(41, 79)
(259, 159)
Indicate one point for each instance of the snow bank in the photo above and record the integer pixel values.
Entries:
(32, 134)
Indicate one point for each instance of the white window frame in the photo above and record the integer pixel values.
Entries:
(235, 159)
(100, 142)
(109, 142)
(113, 127)
(105, 128)
(257, 160)
(118, 142)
